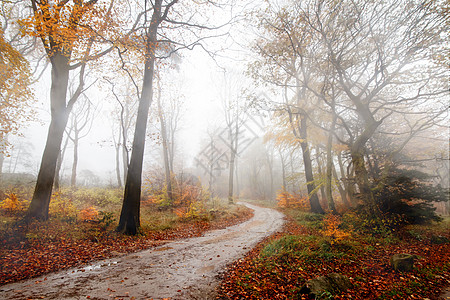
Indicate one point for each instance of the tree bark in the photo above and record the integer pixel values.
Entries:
(73, 180)
(310, 185)
(119, 180)
(329, 170)
(234, 136)
(59, 161)
(339, 186)
(231, 177)
(165, 146)
(2, 160)
(4, 141)
(361, 174)
(129, 222)
(125, 153)
(321, 174)
(283, 169)
(59, 115)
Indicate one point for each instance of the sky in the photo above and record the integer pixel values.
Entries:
(202, 109)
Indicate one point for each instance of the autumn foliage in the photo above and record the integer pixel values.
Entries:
(295, 200)
(15, 92)
(331, 229)
(89, 214)
(12, 204)
(187, 200)
(66, 26)
(279, 266)
(74, 237)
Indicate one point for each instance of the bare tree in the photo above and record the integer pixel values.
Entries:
(81, 119)
(231, 94)
(153, 34)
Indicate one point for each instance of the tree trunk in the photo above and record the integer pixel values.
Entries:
(236, 176)
(321, 174)
(271, 178)
(56, 184)
(129, 222)
(347, 180)
(329, 170)
(283, 169)
(339, 186)
(172, 150)
(362, 180)
(59, 114)
(3, 141)
(231, 176)
(119, 180)
(233, 147)
(59, 162)
(312, 194)
(73, 180)
(292, 171)
(211, 169)
(124, 129)
(2, 160)
(361, 174)
(165, 146)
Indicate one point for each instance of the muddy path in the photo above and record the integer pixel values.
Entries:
(183, 269)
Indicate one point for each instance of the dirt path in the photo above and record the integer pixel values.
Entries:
(185, 269)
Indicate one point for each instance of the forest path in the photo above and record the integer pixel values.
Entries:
(183, 269)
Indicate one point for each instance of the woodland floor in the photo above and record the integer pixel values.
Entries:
(181, 269)
(278, 266)
(179, 266)
(38, 249)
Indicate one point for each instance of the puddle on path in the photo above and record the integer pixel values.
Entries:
(93, 267)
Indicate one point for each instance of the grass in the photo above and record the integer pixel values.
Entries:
(68, 225)
(260, 202)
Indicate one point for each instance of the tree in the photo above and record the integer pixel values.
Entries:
(369, 53)
(235, 116)
(155, 36)
(15, 93)
(129, 222)
(373, 54)
(283, 64)
(123, 117)
(68, 30)
(81, 118)
(165, 144)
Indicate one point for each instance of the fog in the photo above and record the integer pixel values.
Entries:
(263, 104)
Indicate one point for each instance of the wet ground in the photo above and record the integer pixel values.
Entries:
(185, 269)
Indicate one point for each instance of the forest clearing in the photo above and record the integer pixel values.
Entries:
(276, 149)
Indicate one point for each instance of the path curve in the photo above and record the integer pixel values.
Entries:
(183, 269)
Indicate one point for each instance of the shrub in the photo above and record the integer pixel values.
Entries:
(99, 197)
(288, 200)
(107, 218)
(160, 198)
(89, 214)
(62, 207)
(407, 197)
(12, 204)
(332, 231)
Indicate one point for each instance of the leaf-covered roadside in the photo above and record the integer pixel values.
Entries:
(60, 245)
(279, 266)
